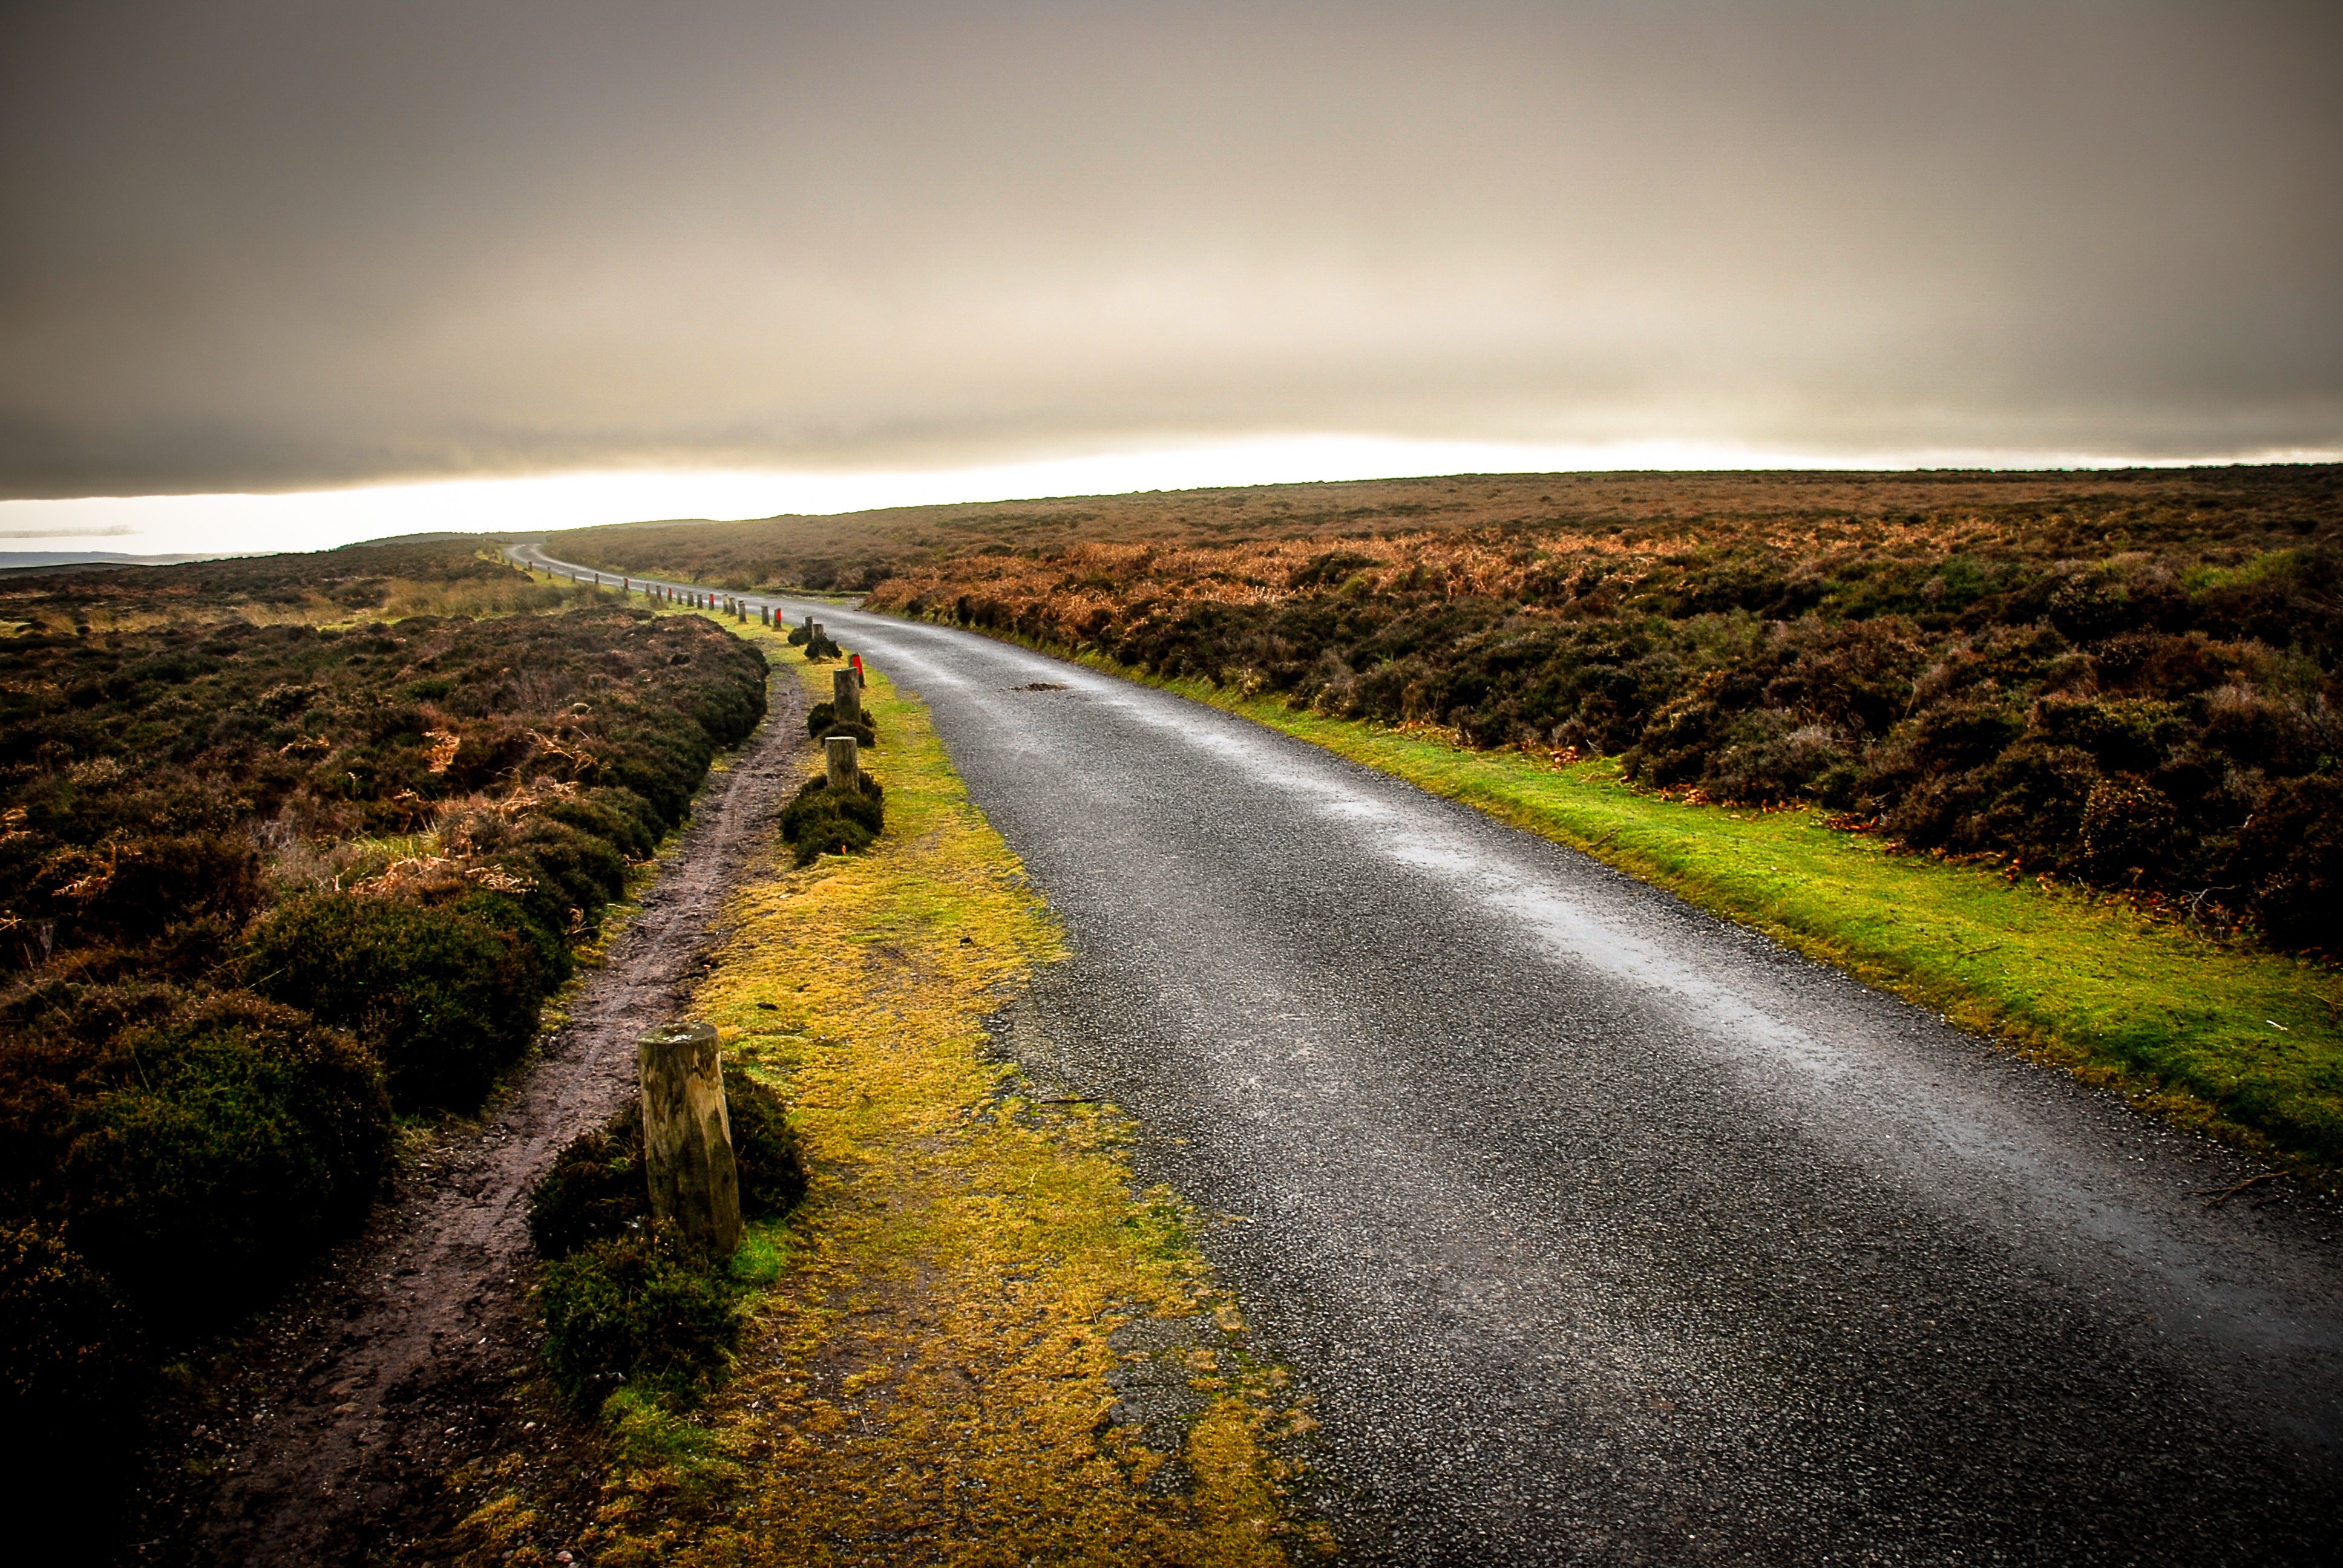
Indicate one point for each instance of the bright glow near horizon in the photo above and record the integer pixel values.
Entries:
(321, 519)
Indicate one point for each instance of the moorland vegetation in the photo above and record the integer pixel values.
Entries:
(2128, 680)
(275, 869)
(626, 1300)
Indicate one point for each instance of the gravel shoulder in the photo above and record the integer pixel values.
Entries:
(404, 1362)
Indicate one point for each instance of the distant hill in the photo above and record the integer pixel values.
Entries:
(50, 561)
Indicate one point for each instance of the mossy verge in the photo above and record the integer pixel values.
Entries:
(927, 1375)
(2235, 1041)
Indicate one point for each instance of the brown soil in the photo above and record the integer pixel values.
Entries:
(350, 1428)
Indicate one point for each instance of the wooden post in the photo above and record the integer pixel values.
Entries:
(846, 697)
(840, 754)
(687, 1136)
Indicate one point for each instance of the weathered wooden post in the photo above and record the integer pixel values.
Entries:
(840, 756)
(846, 697)
(687, 1135)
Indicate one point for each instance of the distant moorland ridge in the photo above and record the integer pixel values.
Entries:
(2126, 676)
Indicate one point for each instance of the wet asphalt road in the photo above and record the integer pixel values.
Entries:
(1602, 1231)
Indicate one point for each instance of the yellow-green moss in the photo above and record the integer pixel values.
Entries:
(926, 1381)
(2239, 1043)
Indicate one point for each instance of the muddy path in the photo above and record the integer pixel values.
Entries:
(410, 1355)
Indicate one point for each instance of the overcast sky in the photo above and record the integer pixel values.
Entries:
(279, 247)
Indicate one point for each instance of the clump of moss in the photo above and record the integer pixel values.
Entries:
(825, 821)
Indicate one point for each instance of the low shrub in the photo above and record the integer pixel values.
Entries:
(71, 1343)
(2125, 681)
(636, 1306)
(195, 1147)
(2290, 855)
(825, 821)
(622, 1299)
(179, 789)
(822, 721)
(444, 996)
(765, 1148)
(619, 818)
(595, 1190)
(230, 1140)
(819, 647)
(595, 1187)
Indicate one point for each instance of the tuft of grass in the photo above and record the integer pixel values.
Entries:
(927, 1377)
(2233, 1040)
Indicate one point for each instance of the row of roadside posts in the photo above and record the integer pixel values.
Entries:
(695, 1184)
(689, 599)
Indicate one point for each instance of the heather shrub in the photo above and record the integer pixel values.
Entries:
(2290, 857)
(2108, 677)
(181, 786)
(204, 1152)
(635, 1306)
(622, 1299)
(619, 818)
(69, 1393)
(444, 997)
(71, 1342)
(821, 820)
(596, 1187)
(581, 869)
(863, 734)
(822, 721)
(764, 1147)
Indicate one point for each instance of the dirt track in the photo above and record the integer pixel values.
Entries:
(408, 1355)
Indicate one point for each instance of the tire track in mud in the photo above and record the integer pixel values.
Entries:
(408, 1352)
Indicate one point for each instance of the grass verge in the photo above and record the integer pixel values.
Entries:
(928, 1376)
(2237, 1042)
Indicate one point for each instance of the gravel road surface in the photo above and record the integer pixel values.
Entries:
(1604, 1232)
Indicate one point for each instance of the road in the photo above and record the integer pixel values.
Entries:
(1604, 1232)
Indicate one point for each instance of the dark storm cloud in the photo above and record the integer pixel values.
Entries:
(255, 246)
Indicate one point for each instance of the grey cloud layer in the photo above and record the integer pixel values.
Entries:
(266, 246)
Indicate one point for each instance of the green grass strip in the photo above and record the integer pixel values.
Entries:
(2240, 1043)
